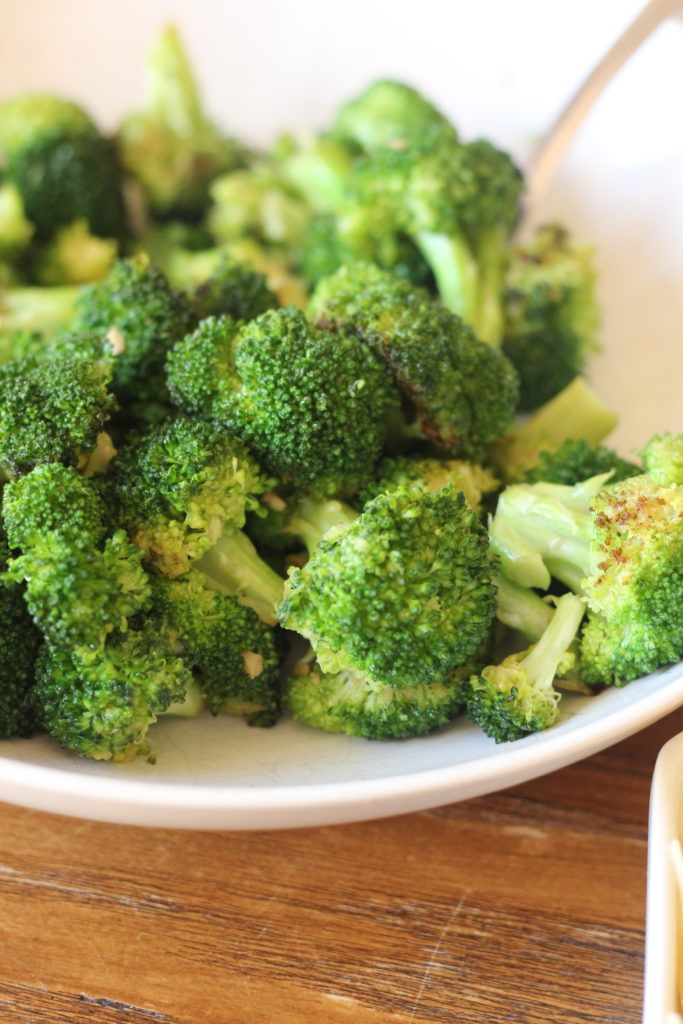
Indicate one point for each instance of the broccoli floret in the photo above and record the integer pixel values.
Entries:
(575, 461)
(182, 490)
(663, 459)
(517, 697)
(81, 584)
(233, 654)
(576, 413)
(551, 313)
(462, 391)
(103, 706)
(621, 547)
(318, 168)
(260, 204)
(459, 204)
(431, 474)
(287, 519)
(75, 256)
(352, 703)
(171, 148)
(310, 403)
(178, 485)
(403, 595)
(52, 411)
(61, 165)
(387, 113)
(217, 284)
(143, 317)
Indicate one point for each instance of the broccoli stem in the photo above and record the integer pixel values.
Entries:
(545, 526)
(171, 88)
(454, 269)
(234, 565)
(488, 321)
(542, 662)
(575, 413)
(312, 520)
(521, 609)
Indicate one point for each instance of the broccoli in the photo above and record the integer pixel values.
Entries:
(386, 114)
(143, 316)
(82, 583)
(577, 460)
(170, 147)
(233, 654)
(459, 204)
(432, 474)
(350, 702)
(310, 403)
(663, 459)
(522, 609)
(217, 284)
(551, 313)
(75, 256)
(462, 392)
(318, 168)
(182, 490)
(52, 411)
(103, 706)
(517, 697)
(178, 485)
(618, 545)
(286, 519)
(575, 413)
(63, 168)
(403, 595)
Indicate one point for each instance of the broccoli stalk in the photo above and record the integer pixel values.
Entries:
(574, 413)
(517, 696)
(234, 565)
(521, 609)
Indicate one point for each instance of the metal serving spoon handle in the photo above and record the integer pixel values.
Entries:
(555, 142)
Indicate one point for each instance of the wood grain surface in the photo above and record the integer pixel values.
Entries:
(524, 906)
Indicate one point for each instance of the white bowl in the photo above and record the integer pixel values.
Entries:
(620, 188)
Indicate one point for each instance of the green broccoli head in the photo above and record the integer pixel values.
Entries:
(233, 654)
(576, 460)
(234, 289)
(52, 411)
(260, 204)
(387, 113)
(403, 595)
(63, 168)
(179, 485)
(171, 148)
(102, 707)
(462, 392)
(52, 499)
(74, 256)
(663, 459)
(136, 307)
(311, 404)
(517, 696)
(80, 583)
(551, 313)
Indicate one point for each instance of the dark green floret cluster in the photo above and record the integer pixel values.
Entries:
(305, 432)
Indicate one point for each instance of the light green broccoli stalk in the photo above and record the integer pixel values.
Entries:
(517, 697)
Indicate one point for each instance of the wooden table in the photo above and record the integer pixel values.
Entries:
(525, 906)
